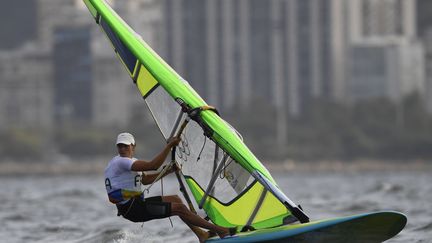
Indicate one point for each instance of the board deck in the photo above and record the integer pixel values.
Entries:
(368, 227)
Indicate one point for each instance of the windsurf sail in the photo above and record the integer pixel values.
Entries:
(225, 178)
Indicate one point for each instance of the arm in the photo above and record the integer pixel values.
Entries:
(156, 162)
(147, 179)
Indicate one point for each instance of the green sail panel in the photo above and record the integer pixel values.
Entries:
(221, 171)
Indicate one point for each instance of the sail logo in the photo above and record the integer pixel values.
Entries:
(183, 150)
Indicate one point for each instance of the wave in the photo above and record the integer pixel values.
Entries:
(75, 193)
(61, 229)
(427, 227)
(386, 188)
(123, 234)
(357, 206)
(15, 217)
(105, 235)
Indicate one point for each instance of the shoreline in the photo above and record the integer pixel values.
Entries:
(365, 165)
(97, 166)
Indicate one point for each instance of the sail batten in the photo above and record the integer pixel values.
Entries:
(213, 180)
(223, 187)
(257, 207)
(177, 124)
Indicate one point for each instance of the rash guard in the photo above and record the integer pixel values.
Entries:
(121, 182)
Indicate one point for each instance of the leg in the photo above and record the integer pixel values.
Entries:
(178, 208)
(201, 234)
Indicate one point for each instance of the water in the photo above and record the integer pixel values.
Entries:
(75, 208)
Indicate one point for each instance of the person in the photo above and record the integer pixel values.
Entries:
(123, 185)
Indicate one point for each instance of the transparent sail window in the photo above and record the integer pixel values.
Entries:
(196, 155)
(164, 109)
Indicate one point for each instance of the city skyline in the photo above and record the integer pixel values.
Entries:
(286, 52)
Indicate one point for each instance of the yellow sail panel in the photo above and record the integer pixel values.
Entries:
(270, 207)
(145, 81)
(240, 212)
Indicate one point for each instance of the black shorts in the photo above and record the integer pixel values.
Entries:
(137, 210)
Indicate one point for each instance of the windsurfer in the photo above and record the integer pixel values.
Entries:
(123, 184)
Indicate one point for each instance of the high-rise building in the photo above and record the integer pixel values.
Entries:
(47, 78)
(65, 70)
(21, 24)
(424, 17)
(65, 31)
(382, 18)
(25, 76)
(381, 68)
(240, 52)
(25, 88)
(73, 86)
(424, 28)
(386, 58)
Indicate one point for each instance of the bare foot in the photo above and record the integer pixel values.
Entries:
(203, 237)
(228, 232)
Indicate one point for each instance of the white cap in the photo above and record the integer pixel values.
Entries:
(125, 138)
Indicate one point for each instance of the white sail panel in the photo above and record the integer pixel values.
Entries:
(164, 110)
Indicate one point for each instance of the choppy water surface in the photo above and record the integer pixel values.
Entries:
(75, 208)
